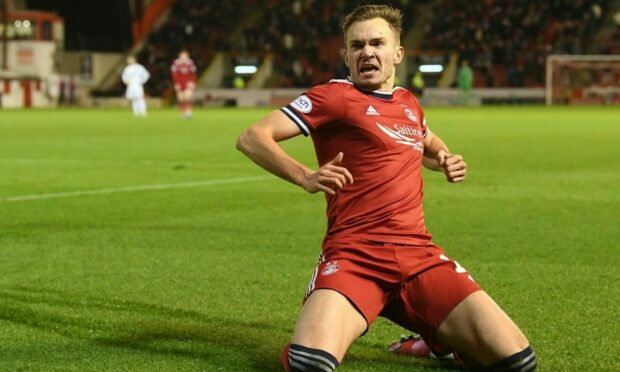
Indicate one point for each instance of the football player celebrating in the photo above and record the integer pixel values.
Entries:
(371, 141)
(184, 78)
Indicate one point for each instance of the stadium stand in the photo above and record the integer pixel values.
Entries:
(199, 26)
(304, 37)
(507, 42)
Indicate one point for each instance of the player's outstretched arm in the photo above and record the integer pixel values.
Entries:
(260, 144)
(437, 157)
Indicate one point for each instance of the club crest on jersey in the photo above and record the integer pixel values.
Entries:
(371, 111)
(411, 115)
(331, 268)
(400, 134)
(302, 104)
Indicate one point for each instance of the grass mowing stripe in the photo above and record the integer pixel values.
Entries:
(132, 189)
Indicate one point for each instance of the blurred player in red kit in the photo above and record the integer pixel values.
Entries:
(184, 78)
(378, 259)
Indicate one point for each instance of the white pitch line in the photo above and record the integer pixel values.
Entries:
(132, 189)
(24, 161)
(43, 161)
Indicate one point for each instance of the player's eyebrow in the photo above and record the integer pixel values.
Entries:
(354, 42)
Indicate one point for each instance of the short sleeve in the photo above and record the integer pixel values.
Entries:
(317, 106)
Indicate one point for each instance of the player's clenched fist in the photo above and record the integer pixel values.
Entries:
(330, 178)
(453, 166)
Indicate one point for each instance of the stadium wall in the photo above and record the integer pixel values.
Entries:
(92, 67)
(279, 97)
(432, 96)
(18, 93)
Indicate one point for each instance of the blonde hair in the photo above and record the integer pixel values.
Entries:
(391, 15)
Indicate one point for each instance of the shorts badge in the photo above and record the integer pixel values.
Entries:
(331, 268)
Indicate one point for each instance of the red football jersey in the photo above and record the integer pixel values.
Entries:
(382, 138)
(183, 72)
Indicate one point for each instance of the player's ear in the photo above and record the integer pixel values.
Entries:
(399, 53)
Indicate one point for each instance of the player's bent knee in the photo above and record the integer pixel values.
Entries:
(523, 361)
(301, 358)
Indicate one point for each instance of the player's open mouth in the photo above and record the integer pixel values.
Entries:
(368, 69)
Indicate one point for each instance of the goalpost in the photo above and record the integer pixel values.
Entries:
(582, 79)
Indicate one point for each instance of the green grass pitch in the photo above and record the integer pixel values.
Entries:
(152, 244)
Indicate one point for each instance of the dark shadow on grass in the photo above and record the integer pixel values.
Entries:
(376, 354)
(164, 330)
(140, 326)
(405, 362)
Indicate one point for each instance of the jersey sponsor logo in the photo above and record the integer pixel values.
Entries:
(302, 104)
(371, 111)
(411, 115)
(399, 135)
(331, 268)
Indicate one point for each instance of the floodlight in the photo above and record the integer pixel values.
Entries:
(431, 68)
(245, 69)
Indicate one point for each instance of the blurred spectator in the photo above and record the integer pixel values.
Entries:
(68, 88)
(53, 89)
(238, 82)
(417, 84)
(465, 80)
(63, 90)
(610, 44)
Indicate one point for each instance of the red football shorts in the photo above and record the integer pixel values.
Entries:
(185, 84)
(414, 286)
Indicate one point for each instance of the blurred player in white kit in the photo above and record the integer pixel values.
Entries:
(135, 76)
